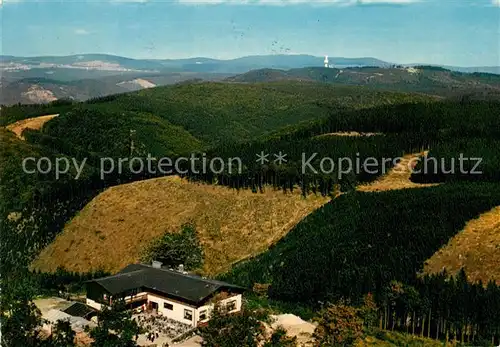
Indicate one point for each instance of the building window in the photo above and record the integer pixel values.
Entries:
(188, 314)
(168, 306)
(203, 315)
(231, 305)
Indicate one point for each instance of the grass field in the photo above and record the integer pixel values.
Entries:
(476, 248)
(397, 178)
(117, 225)
(35, 123)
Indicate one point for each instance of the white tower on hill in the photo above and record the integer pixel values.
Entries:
(326, 61)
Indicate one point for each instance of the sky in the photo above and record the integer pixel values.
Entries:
(446, 32)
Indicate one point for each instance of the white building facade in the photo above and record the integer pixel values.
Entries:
(179, 296)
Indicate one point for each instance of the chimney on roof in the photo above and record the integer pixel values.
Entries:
(156, 264)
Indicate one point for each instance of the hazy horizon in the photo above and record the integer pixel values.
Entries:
(454, 33)
(256, 55)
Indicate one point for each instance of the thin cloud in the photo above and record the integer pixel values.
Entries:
(81, 32)
(295, 2)
(496, 3)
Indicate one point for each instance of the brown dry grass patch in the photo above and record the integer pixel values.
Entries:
(35, 123)
(398, 177)
(113, 229)
(349, 134)
(476, 249)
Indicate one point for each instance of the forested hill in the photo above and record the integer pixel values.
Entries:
(424, 79)
(182, 118)
(376, 243)
(165, 121)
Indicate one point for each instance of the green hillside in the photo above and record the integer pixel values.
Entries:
(34, 207)
(404, 128)
(481, 159)
(222, 112)
(378, 242)
(108, 134)
(423, 79)
(81, 84)
(167, 121)
(231, 119)
(357, 245)
(213, 113)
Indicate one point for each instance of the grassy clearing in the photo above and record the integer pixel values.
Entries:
(35, 123)
(476, 248)
(349, 134)
(397, 178)
(117, 225)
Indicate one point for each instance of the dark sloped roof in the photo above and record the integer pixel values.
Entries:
(78, 309)
(188, 287)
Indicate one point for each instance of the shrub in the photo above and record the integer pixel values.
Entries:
(174, 249)
(338, 325)
(243, 329)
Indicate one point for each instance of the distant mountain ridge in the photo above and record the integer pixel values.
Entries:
(197, 64)
(43, 88)
(80, 77)
(204, 64)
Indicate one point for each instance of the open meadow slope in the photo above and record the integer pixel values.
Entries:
(397, 177)
(35, 123)
(476, 248)
(114, 228)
